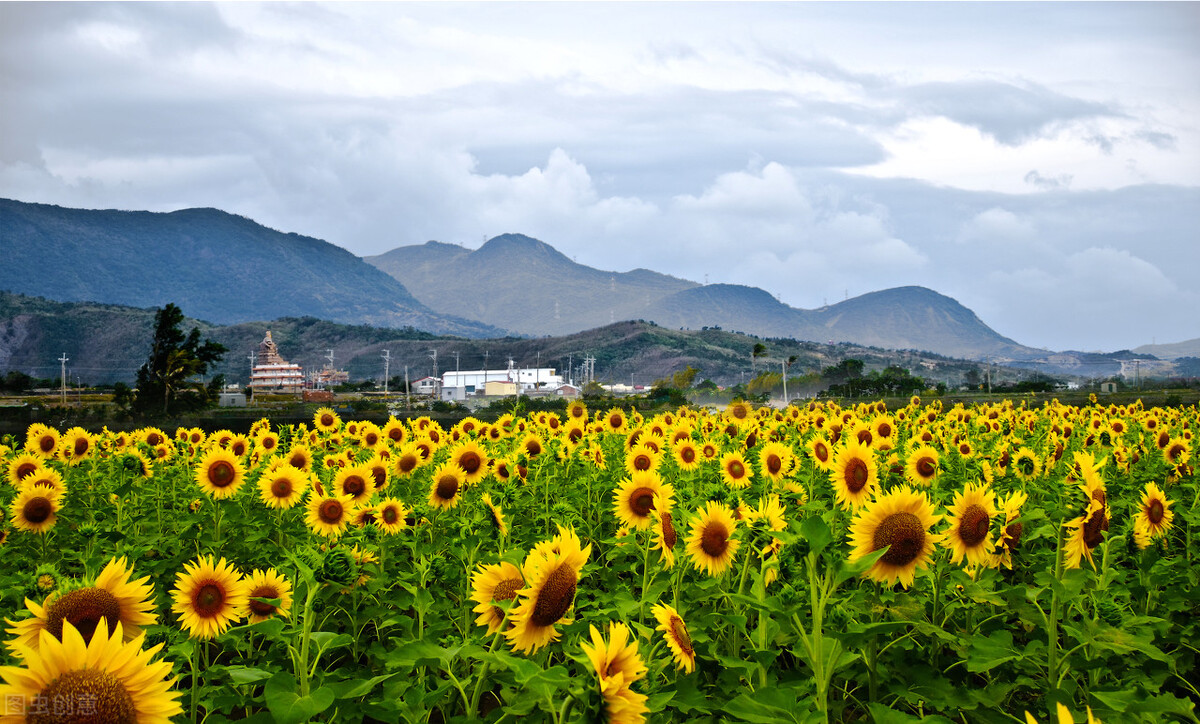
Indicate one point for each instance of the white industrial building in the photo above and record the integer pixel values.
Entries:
(460, 384)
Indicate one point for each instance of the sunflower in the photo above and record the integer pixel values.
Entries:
(209, 597)
(639, 495)
(854, 474)
(665, 536)
(1010, 536)
(391, 515)
(282, 486)
(496, 515)
(1176, 451)
(532, 445)
(686, 454)
(1154, 514)
(326, 420)
(551, 575)
(770, 512)
(472, 460)
(820, 451)
(735, 471)
(329, 515)
(105, 679)
(491, 583)
(1026, 464)
(614, 420)
(1085, 533)
(266, 443)
(921, 466)
(41, 440)
(676, 633)
(970, 525)
(1064, 716)
(395, 431)
(22, 466)
(710, 543)
(220, 473)
(46, 479)
(270, 585)
(77, 446)
(738, 410)
(355, 481)
(642, 458)
(112, 598)
(898, 520)
(775, 460)
(618, 665)
(445, 488)
(35, 509)
(299, 456)
(407, 461)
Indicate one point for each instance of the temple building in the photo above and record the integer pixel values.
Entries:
(272, 372)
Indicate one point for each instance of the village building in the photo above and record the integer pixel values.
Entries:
(273, 372)
(459, 384)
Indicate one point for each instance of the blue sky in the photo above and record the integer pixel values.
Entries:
(1039, 162)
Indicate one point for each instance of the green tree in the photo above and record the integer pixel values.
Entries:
(164, 382)
(760, 350)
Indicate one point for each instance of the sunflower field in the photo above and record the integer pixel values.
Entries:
(819, 563)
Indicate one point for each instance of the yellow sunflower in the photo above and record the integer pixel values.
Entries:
(395, 431)
(42, 440)
(77, 445)
(551, 575)
(1026, 465)
(46, 479)
(676, 633)
(1010, 536)
(638, 496)
(665, 536)
(711, 544)
(299, 456)
(1154, 516)
(494, 582)
(821, 451)
(220, 473)
(355, 481)
(496, 514)
(268, 584)
(970, 529)
(329, 515)
(922, 466)
(775, 460)
(112, 598)
(407, 461)
(898, 520)
(391, 516)
(735, 471)
(282, 486)
(35, 509)
(105, 679)
(686, 454)
(854, 474)
(642, 458)
(618, 665)
(1085, 533)
(472, 460)
(445, 488)
(209, 597)
(532, 445)
(22, 466)
(326, 420)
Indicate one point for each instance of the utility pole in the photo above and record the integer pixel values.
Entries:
(1137, 367)
(437, 380)
(486, 353)
(537, 372)
(570, 369)
(63, 376)
(783, 364)
(407, 390)
(387, 360)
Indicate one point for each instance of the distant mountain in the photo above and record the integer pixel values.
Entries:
(214, 265)
(1187, 348)
(527, 286)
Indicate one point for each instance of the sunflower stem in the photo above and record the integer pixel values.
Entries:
(1052, 621)
(195, 669)
(473, 707)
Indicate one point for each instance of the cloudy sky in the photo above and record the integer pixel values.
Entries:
(1039, 162)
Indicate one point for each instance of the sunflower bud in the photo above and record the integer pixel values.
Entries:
(338, 566)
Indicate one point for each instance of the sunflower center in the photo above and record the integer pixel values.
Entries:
(774, 464)
(47, 443)
(688, 455)
(1174, 453)
(281, 487)
(327, 420)
(641, 501)
(389, 515)
(926, 467)
(642, 462)
(507, 589)
(1093, 529)
(884, 430)
(1155, 512)
(904, 533)
(469, 462)
(668, 530)
(221, 474)
(533, 448)
(330, 511)
(973, 525)
(1025, 464)
(37, 510)
(575, 435)
(407, 463)
(864, 437)
(26, 469)
(1014, 532)
(679, 632)
(354, 485)
(81, 446)
(714, 541)
(447, 487)
(736, 469)
(91, 696)
(821, 451)
(297, 460)
(856, 475)
(555, 598)
(208, 599)
(258, 608)
(84, 608)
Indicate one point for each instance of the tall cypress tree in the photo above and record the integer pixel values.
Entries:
(164, 381)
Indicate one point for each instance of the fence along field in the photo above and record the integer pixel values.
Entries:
(991, 563)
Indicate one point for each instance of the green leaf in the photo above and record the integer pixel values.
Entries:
(688, 697)
(415, 653)
(852, 569)
(765, 706)
(984, 653)
(353, 689)
(288, 707)
(242, 675)
(883, 715)
(816, 531)
(326, 640)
